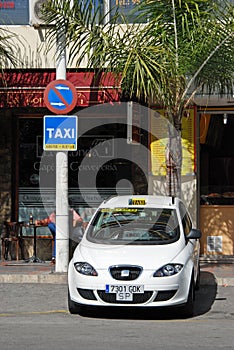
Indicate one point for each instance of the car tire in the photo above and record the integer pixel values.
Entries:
(73, 307)
(197, 285)
(188, 309)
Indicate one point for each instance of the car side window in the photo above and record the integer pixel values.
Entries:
(186, 221)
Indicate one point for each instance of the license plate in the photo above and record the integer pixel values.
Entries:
(124, 292)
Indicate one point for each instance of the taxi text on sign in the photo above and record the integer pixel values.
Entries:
(60, 133)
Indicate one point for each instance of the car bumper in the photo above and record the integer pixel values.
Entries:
(161, 291)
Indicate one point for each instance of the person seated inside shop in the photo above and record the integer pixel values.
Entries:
(50, 221)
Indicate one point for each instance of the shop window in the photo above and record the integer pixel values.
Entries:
(217, 161)
(105, 173)
(36, 178)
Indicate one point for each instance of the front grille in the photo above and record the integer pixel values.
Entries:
(86, 294)
(125, 272)
(165, 295)
(137, 298)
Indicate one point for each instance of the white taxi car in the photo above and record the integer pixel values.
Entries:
(139, 251)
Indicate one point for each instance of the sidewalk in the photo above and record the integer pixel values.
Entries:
(22, 272)
(221, 274)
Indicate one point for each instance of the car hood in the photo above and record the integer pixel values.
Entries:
(147, 256)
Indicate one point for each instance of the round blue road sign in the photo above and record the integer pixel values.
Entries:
(60, 96)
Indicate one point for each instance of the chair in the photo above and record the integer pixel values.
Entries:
(13, 233)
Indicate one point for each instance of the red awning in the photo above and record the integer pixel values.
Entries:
(26, 88)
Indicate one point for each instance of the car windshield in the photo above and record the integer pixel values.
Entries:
(134, 226)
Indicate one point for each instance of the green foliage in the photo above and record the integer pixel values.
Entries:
(7, 55)
(181, 48)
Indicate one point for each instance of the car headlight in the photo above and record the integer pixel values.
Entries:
(85, 269)
(168, 270)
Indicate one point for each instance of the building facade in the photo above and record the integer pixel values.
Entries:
(207, 174)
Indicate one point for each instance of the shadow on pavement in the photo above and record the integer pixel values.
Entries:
(204, 299)
(206, 295)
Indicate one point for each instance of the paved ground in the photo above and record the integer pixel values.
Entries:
(22, 272)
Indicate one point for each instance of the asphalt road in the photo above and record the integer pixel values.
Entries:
(35, 316)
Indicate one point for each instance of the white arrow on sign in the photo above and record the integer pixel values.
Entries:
(59, 87)
(57, 104)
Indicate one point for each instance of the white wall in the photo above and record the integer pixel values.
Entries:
(30, 47)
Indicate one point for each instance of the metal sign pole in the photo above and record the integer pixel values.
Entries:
(62, 216)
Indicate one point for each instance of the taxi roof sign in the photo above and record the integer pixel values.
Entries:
(137, 201)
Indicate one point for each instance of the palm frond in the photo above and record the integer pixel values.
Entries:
(180, 46)
(7, 49)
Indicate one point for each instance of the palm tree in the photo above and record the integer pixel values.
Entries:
(7, 52)
(182, 49)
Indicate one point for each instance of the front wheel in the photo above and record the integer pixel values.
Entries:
(73, 307)
(188, 308)
(197, 285)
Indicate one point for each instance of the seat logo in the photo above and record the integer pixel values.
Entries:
(125, 273)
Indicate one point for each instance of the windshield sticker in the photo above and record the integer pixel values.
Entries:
(122, 210)
(136, 201)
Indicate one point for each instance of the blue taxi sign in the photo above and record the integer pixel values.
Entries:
(60, 96)
(60, 133)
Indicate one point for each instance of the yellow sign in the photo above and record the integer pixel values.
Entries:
(159, 142)
(137, 201)
(64, 147)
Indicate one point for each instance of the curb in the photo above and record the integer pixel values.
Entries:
(54, 278)
(217, 259)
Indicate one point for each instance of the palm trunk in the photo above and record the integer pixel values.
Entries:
(173, 162)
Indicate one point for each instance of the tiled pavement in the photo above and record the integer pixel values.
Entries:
(22, 272)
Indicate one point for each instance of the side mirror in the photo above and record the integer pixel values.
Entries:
(194, 234)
